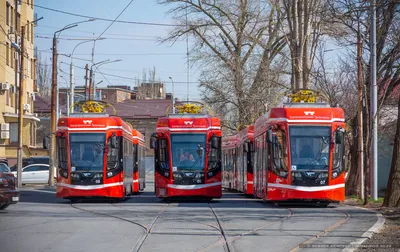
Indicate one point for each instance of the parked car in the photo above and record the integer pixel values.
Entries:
(35, 174)
(33, 160)
(9, 194)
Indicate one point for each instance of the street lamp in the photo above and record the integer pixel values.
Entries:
(98, 64)
(53, 123)
(173, 96)
(71, 69)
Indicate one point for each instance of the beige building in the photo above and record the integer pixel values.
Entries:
(12, 17)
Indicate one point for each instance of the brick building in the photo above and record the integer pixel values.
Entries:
(13, 17)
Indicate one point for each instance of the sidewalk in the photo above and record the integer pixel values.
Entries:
(388, 237)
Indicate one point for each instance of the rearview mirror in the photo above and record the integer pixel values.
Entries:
(152, 143)
(113, 141)
(246, 147)
(214, 142)
(162, 143)
(339, 137)
(269, 136)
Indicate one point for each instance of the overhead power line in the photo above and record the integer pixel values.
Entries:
(104, 19)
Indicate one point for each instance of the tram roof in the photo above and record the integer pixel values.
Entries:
(308, 113)
(92, 122)
(188, 122)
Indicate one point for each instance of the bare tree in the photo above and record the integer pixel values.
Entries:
(235, 41)
(354, 16)
(304, 21)
(392, 195)
(43, 71)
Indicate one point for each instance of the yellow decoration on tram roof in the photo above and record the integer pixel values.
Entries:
(304, 95)
(189, 108)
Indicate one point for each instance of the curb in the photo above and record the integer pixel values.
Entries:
(353, 246)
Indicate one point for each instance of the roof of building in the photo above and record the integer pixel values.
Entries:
(141, 108)
(43, 105)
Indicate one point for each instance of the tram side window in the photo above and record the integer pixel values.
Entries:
(279, 153)
(135, 158)
(62, 153)
(338, 155)
(114, 155)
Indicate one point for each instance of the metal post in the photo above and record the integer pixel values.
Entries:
(86, 81)
(68, 103)
(360, 116)
(21, 108)
(90, 83)
(53, 123)
(72, 86)
(16, 42)
(374, 100)
(173, 96)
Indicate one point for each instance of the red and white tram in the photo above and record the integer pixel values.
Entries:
(96, 157)
(245, 154)
(299, 154)
(229, 164)
(187, 156)
(139, 169)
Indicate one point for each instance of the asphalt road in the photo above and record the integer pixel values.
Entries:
(41, 222)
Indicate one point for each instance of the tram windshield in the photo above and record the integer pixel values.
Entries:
(87, 151)
(188, 152)
(309, 147)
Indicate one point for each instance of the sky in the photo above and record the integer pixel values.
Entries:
(134, 44)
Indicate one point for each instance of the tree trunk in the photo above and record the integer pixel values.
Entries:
(392, 195)
(352, 187)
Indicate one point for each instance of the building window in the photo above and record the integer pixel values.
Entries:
(7, 98)
(28, 2)
(7, 13)
(11, 16)
(32, 28)
(7, 54)
(33, 134)
(12, 58)
(13, 132)
(28, 30)
(18, 24)
(12, 96)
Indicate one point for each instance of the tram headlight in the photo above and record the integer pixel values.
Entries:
(98, 175)
(323, 175)
(75, 176)
(334, 174)
(109, 174)
(296, 175)
(199, 175)
(177, 176)
(166, 174)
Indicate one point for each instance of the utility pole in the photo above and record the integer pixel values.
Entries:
(21, 108)
(360, 116)
(374, 101)
(72, 87)
(86, 81)
(16, 42)
(53, 123)
(90, 84)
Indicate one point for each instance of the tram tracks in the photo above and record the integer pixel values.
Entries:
(324, 232)
(229, 240)
(146, 229)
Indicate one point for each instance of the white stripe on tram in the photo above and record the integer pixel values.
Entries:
(90, 187)
(135, 180)
(307, 120)
(306, 188)
(193, 187)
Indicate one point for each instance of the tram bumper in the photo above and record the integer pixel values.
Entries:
(334, 193)
(213, 190)
(113, 190)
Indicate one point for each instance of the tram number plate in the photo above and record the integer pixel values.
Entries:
(97, 181)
